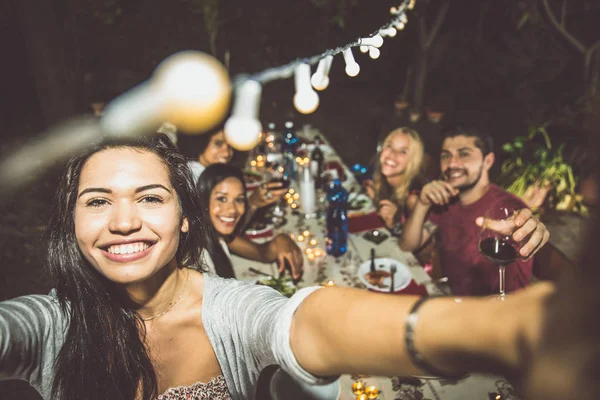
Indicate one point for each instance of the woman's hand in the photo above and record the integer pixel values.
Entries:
(387, 211)
(267, 193)
(285, 249)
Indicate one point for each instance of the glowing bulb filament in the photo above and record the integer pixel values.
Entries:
(352, 67)
(320, 79)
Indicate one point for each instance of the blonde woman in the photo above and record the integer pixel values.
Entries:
(397, 173)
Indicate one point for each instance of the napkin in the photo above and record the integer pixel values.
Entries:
(364, 222)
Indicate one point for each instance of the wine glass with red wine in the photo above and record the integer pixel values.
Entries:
(497, 244)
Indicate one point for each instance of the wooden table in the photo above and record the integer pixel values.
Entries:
(343, 272)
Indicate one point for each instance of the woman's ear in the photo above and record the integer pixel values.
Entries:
(185, 225)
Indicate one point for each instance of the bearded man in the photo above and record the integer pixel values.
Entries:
(454, 209)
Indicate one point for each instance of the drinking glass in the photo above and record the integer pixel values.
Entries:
(496, 242)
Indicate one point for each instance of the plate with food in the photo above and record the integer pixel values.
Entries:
(253, 179)
(259, 229)
(358, 202)
(381, 279)
(283, 285)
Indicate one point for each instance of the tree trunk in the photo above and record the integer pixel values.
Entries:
(46, 53)
(420, 77)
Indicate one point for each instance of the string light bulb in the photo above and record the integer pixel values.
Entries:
(320, 79)
(374, 41)
(364, 49)
(389, 32)
(242, 129)
(196, 88)
(352, 67)
(190, 89)
(400, 25)
(374, 53)
(306, 100)
(393, 10)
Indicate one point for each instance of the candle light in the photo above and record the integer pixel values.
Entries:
(300, 238)
(310, 256)
(372, 392)
(313, 242)
(294, 206)
(290, 200)
(296, 196)
(358, 387)
(292, 191)
(330, 284)
(306, 233)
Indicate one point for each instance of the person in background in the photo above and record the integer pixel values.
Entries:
(212, 148)
(129, 320)
(223, 194)
(454, 208)
(397, 173)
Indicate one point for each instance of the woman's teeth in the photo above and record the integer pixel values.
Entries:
(227, 220)
(390, 163)
(128, 248)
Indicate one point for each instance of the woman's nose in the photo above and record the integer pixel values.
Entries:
(125, 219)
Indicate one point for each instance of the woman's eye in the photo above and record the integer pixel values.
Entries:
(96, 203)
(152, 199)
(218, 143)
(222, 199)
(240, 200)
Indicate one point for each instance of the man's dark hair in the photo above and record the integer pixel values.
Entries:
(483, 141)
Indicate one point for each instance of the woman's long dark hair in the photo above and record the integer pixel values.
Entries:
(211, 177)
(103, 355)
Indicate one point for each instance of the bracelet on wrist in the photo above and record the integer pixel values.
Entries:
(417, 358)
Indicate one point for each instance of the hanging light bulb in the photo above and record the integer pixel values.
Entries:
(374, 41)
(306, 100)
(374, 52)
(352, 67)
(320, 79)
(242, 129)
(364, 49)
(411, 4)
(390, 32)
(196, 88)
(393, 10)
(400, 25)
(190, 89)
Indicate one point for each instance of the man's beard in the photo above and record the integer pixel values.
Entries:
(466, 186)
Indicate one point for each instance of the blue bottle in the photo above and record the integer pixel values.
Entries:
(290, 144)
(337, 220)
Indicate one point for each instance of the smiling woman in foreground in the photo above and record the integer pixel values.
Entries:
(129, 320)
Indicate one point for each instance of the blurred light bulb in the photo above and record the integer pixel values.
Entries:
(190, 89)
(411, 4)
(242, 129)
(374, 41)
(390, 32)
(320, 79)
(352, 67)
(393, 10)
(374, 52)
(306, 100)
(400, 25)
(196, 88)
(364, 49)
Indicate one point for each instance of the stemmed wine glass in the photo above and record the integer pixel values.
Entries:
(496, 242)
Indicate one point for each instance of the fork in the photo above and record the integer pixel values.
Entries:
(393, 271)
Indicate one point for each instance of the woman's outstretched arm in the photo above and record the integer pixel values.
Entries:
(341, 330)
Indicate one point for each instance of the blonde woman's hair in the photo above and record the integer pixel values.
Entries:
(383, 190)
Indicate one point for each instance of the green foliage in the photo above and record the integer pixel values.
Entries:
(534, 163)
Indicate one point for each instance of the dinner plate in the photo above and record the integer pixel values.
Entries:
(358, 203)
(402, 277)
(283, 387)
(259, 232)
